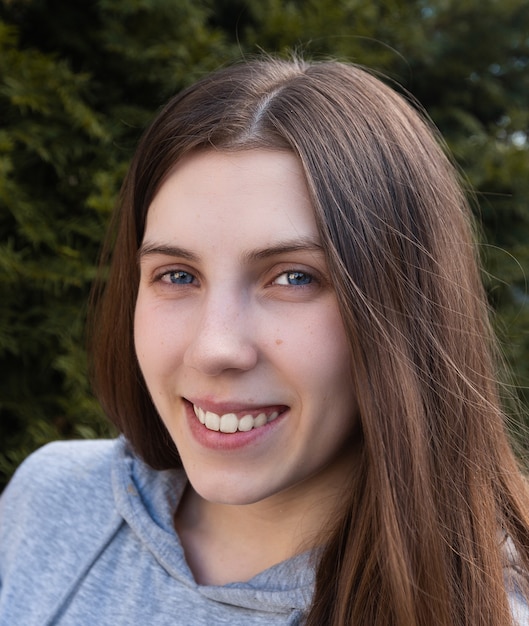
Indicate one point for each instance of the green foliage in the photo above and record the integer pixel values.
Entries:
(80, 80)
(49, 138)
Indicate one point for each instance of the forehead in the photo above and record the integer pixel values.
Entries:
(235, 196)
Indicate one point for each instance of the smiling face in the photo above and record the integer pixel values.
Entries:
(238, 332)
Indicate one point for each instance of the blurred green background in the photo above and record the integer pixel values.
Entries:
(79, 81)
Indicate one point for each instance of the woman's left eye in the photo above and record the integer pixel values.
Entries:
(294, 278)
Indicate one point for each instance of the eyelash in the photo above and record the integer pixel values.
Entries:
(172, 272)
(292, 274)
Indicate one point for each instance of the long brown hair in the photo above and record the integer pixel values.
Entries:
(419, 539)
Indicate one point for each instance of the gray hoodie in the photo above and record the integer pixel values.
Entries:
(86, 538)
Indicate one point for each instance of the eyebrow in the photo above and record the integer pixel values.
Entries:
(303, 244)
(150, 249)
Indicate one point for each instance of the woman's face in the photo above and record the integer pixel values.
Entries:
(238, 332)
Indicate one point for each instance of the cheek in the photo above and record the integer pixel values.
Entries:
(337, 350)
(144, 329)
(315, 347)
(156, 346)
(334, 380)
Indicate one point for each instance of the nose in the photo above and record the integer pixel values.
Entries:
(222, 337)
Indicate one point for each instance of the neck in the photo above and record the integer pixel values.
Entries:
(227, 543)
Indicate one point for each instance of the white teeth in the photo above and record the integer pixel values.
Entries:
(230, 423)
(260, 420)
(200, 414)
(212, 421)
(246, 423)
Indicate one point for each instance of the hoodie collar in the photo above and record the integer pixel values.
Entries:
(147, 498)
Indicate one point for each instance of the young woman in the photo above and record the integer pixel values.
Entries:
(295, 344)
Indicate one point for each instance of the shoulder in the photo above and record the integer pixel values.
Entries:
(519, 609)
(57, 454)
(55, 514)
(59, 469)
(516, 582)
(63, 484)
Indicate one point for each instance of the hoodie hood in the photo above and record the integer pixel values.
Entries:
(147, 499)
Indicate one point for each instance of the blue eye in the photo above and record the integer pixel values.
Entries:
(179, 277)
(294, 278)
(299, 278)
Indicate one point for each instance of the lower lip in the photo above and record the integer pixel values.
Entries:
(216, 440)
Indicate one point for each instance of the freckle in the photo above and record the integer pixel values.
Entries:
(279, 342)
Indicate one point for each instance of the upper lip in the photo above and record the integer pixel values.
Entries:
(221, 408)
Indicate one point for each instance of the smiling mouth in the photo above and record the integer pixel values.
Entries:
(231, 422)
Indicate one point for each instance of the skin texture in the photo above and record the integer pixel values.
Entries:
(235, 313)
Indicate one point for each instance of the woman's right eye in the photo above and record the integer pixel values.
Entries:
(177, 277)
